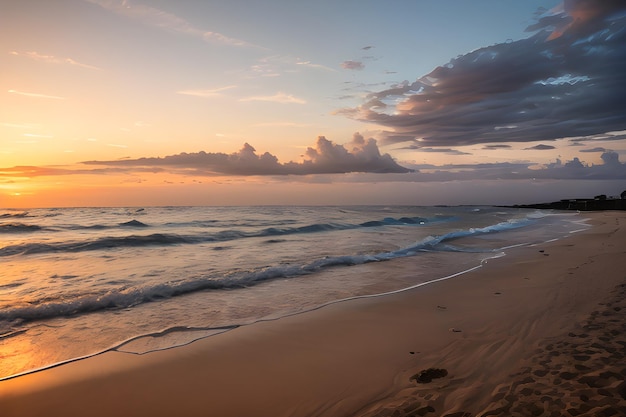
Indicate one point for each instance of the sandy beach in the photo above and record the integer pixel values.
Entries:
(541, 331)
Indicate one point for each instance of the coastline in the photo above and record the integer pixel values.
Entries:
(489, 329)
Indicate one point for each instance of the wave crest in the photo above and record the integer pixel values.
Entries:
(131, 296)
(19, 228)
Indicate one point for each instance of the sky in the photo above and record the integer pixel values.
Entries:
(245, 102)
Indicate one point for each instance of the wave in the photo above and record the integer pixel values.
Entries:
(97, 244)
(132, 296)
(12, 215)
(112, 242)
(133, 223)
(128, 224)
(19, 228)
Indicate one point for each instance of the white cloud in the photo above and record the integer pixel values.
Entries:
(168, 21)
(37, 135)
(53, 59)
(276, 98)
(277, 65)
(20, 125)
(215, 92)
(309, 64)
(282, 124)
(36, 95)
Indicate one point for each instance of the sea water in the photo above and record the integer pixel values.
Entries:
(75, 282)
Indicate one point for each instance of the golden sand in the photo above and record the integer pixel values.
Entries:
(538, 332)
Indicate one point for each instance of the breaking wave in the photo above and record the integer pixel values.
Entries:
(132, 296)
(112, 242)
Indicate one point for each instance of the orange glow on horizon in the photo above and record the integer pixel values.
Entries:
(103, 190)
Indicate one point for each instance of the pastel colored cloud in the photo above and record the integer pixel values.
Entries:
(35, 95)
(276, 98)
(155, 17)
(215, 92)
(352, 65)
(53, 59)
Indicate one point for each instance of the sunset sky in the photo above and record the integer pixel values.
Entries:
(163, 102)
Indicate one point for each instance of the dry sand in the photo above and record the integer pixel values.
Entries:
(541, 331)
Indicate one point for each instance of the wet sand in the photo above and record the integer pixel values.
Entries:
(540, 331)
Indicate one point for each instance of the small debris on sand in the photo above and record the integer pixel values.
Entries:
(427, 375)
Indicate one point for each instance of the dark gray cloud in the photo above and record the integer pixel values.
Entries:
(604, 137)
(495, 147)
(541, 147)
(575, 169)
(447, 151)
(360, 155)
(581, 17)
(610, 169)
(566, 80)
(611, 160)
(593, 150)
(363, 159)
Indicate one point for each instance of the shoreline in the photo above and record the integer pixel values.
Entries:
(215, 331)
(356, 357)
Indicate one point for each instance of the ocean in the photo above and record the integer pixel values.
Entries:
(76, 282)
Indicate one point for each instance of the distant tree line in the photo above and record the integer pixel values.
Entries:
(599, 202)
